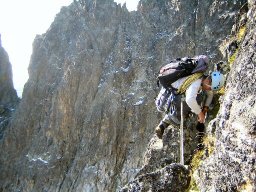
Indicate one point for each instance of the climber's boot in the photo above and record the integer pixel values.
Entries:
(160, 129)
(200, 146)
(199, 137)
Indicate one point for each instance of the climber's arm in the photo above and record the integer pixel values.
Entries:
(191, 94)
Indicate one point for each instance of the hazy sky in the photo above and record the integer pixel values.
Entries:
(21, 21)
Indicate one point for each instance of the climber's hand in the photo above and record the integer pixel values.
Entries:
(201, 117)
(205, 109)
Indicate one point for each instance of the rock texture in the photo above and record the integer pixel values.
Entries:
(171, 178)
(8, 95)
(231, 167)
(87, 112)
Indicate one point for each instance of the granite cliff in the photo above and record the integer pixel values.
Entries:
(87, 113)
(8, 95)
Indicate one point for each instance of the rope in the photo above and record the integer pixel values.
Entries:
(188, 82)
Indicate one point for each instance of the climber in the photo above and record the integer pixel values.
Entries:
(169, 101)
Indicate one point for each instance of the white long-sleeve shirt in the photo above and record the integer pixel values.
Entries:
(191, 94)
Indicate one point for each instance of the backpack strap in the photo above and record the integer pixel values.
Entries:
(188, 82)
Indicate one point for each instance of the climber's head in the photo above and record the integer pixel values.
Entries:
(217, 80)
(214, 82)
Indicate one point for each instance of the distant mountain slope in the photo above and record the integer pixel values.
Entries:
(87, 112)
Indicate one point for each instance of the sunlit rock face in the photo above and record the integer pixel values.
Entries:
(87, 112)
(231, 167)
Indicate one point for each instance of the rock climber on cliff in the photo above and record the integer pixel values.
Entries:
(169, 101)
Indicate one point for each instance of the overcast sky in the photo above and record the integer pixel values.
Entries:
(21, 21)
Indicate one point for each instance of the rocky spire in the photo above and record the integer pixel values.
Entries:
(8, 95)
(87, 112)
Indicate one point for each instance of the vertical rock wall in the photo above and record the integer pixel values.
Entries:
(231, 166)
(8, 95)
(87, 112)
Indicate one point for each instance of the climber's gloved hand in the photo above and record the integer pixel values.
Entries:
(201, 117)
(205, 109)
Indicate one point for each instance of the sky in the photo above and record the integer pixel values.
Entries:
(21, 21)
